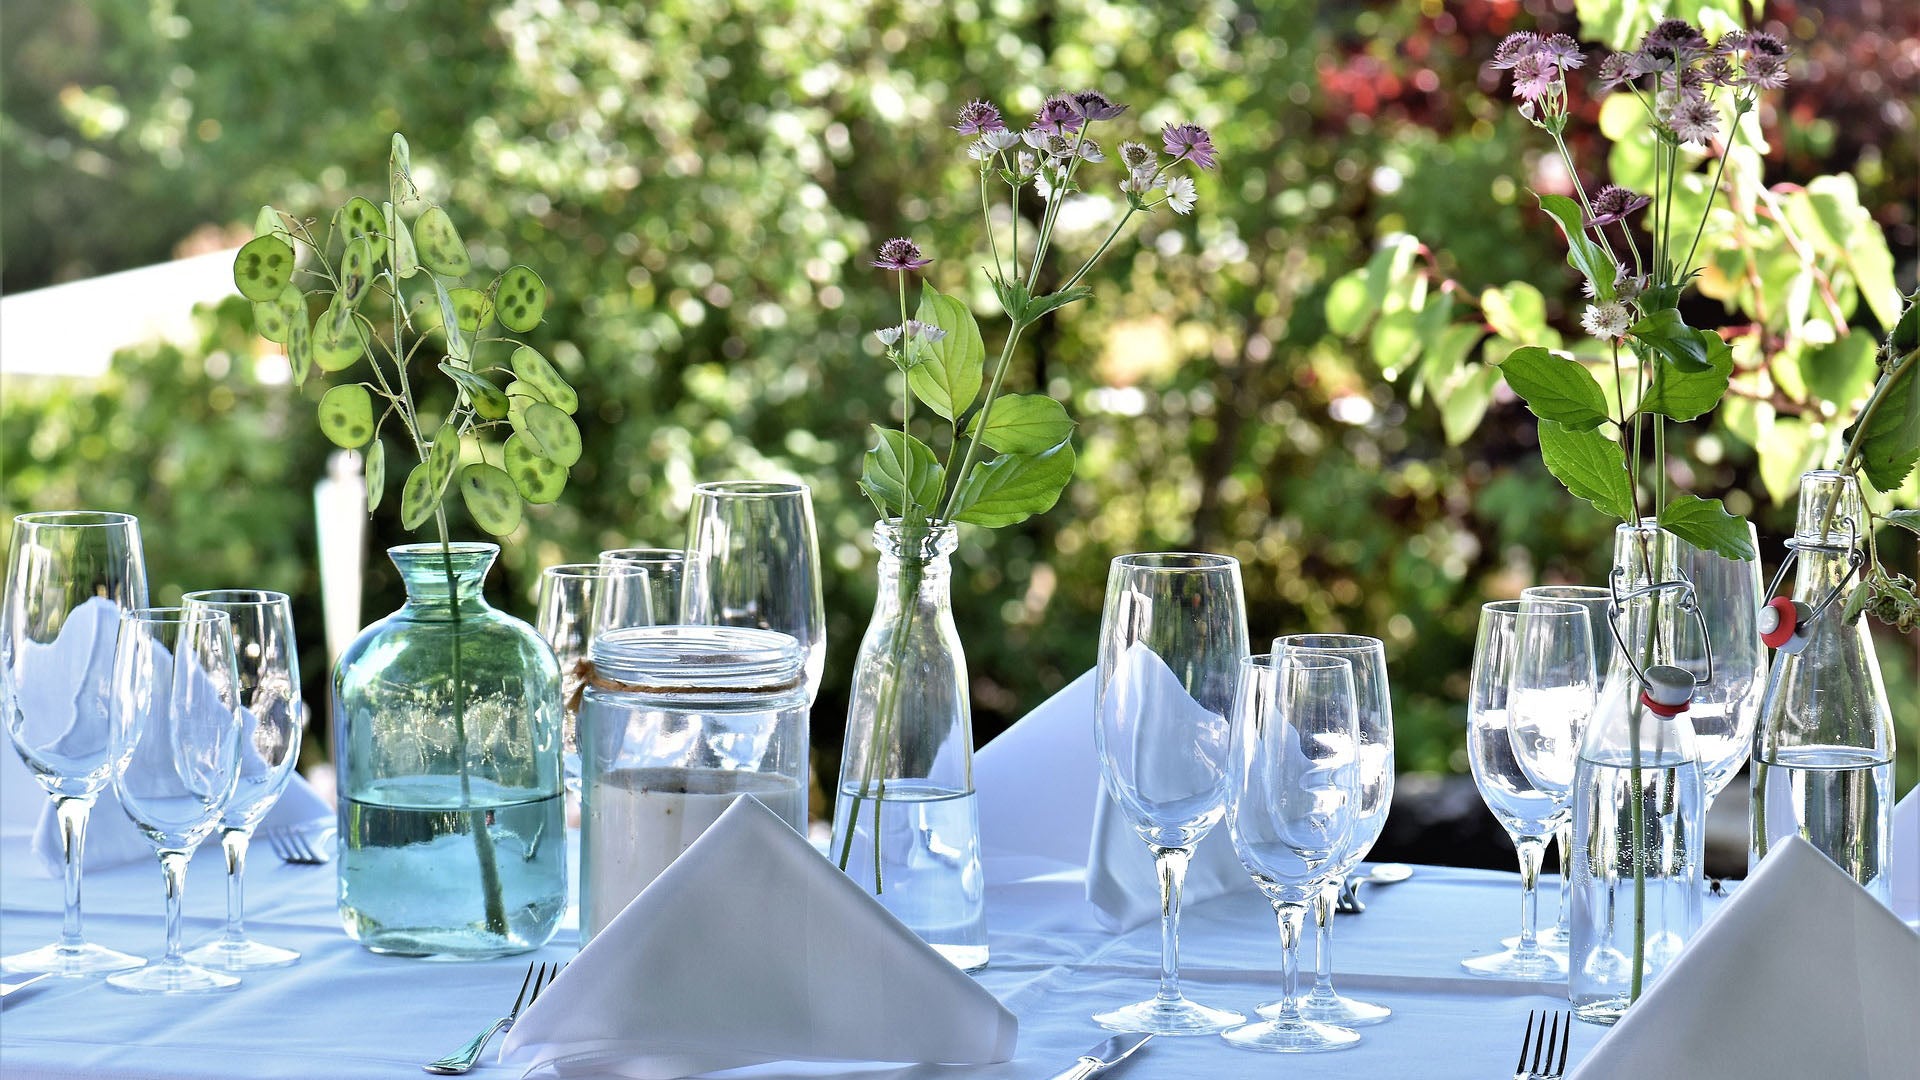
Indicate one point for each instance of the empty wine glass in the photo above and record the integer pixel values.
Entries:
(1595, 599)
(666, 574)
(1532, 686)
(577, 602)
(176, 758)
(753, 560)
(70, 574)
(1172, 636)
(1725, 708)
(1294, 797)
(1374, 705)
(272, 720)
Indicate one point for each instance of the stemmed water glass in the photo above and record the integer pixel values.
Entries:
(1596, 600)
(176, 758)
(1172, 636)
(1295, 795)
(753, 560)
(70, 574)
(272, 719)
(666, 570)
(1726, 707)
(1532, 686)
(1374, 708)
(576, 603)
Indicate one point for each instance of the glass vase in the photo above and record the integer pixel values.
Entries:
(1639, 803)
(447, 732)
(905, 823)
(1823, 750)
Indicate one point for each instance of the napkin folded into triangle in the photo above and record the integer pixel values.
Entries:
(1903, 862)
(750, 948)
(1802, 973)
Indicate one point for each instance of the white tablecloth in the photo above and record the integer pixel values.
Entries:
(345, 1013)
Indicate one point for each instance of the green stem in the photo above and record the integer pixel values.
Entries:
(986, 216)
(906, 385)
(1104, 245)
(873, 779)
(496, 910)
(1733, 138)
(986, 414)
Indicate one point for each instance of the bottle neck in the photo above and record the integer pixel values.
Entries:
(914, 564)
(437, 578)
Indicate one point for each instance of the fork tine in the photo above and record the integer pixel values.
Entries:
(520, 998)
(1561, 1068)
(307, 849)
(277, 839)
(1549, 1041)
(1520, 1067)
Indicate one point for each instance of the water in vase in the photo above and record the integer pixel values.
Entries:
(411, 876)
(1837, 798)
(930, 876)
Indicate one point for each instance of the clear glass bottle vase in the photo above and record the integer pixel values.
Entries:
(1823, 749)
(447, 731)
(905, 823)
(1638, 806)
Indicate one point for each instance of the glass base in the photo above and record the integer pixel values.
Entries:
(1333, 1008)
(172, 977)
(1604, 1012)
(243, 955)
(1536, 966)
(69, 960)
(1291, 1037)
(1555, 941)
(1176, 1017)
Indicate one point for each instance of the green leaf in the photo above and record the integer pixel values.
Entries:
(1590, 465)
(1705, 524)
(1906, 333)
(900, 466)
(1395, 346)
(950, 381)
(1842, 371)
(360, 219)
(274, 319)
(336, 346)
(519, 298)
(1052, 302)
(346, 415)
(262, 268)
(1687, 395)
(1890, 446)
(1515, 310)
(418, 497)
(1442, 358)
(1349, 305)
(1669, 336)
(376, 472)
(537, 479)
(1013, 487)
(543, 378)
(1554, 389)
(491, 498)
(1023, 424)
(356, 271)
(1582, 253)
(1464, 399)
(553, 433)
(472, 310)
(486, 398)
(1906, 519)
(439, 245)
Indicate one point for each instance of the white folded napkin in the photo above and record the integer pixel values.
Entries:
(752, 947)
(45, 688)
(1802, 973)
(1903, 862)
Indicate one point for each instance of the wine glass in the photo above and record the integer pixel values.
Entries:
(1171, 639)
(1374, 706)
(1531, 686)
(177, 723)
(1725, 708)
(272, 718)
(752, 560)
(666, 574)
(70, 574)
(1597, 601)
(576, 603)
(1293, 808)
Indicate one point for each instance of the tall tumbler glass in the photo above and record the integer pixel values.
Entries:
(1172, 636)
(1595, 600)
(1374, 716)
(70, 576)
(1726, 707)
(666, 570)
(578, 602)
(753, 561)
(273, 718)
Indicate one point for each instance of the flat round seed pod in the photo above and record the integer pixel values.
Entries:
(417, 498)
(553, 432)
(346, 415)
(356, 271)
(263, 267)
(520, 299)
(337, 347)
(472, 311)
(491, 498)
(536, 371)
(274, 319)
(376, 472)
(360, 218)
(439, 245)
(537, 479)
(487, 399)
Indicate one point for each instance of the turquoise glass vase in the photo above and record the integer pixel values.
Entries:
(447, 733)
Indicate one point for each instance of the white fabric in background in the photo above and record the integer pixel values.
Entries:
(113, 839)
(1803, 973)
(750, 948)
(1904, 860)
(47, 700)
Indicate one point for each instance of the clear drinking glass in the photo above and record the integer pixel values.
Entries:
(752, 560)
(1295, 796)
(1595, 599)
(272, 718)
(176, 758)
(1532, 686)
(576, 603)
(1374, 706)
(1172, 636)
(70, 574)
(666, 574)
(1725, 708)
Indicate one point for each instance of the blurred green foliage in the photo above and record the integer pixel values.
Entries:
(701, 185)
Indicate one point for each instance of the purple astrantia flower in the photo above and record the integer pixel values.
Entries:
(1718, 71)
(1614, 203)
(1533, 76)
(979, 118)
(1731, 43)
(1695, 120)
(1653, 58)
(1189, 142)
(1094, 105)
(1678, 33)
(1058, 117)
(1616, 71)
(1564, 51)
(1512, 48)
(1761, 44)
(1136, 155)
(900, 254)
(1765, 71)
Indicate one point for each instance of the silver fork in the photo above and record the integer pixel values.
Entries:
(293, 847)
(465, 1058)
(1547, 1041)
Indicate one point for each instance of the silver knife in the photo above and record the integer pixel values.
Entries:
(1104, 1056)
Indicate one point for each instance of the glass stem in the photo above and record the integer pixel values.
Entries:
(173, 864)
(1531, 849)
(72, 814)
(1293, 919)
(233, 842)
(1563, 837)
(1172, 866)
(1323, 909)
